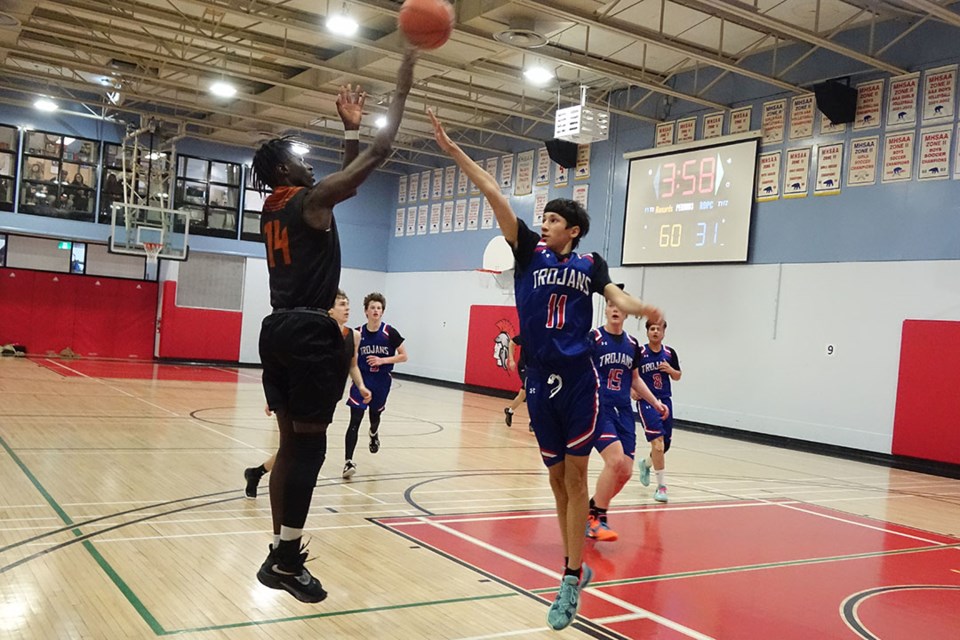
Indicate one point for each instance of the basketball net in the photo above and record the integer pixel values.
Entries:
(491, 278)
(152, 249)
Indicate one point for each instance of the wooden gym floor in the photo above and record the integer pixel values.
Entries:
(122, 516)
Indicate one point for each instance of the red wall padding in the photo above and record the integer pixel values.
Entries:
(927, 419)
(189, 333)
(482, 367)
(94, 316)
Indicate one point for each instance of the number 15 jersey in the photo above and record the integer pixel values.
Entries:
(554, 297)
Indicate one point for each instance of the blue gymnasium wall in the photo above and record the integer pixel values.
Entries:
(902, 221)
(364, 221)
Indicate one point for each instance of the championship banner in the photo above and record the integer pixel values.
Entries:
(740, 119)
(449, 180)
(560, 176)
(463, 184)
(435, 217)
(802, 109)
(412, 221)
(446, 226)
(506, 172)
(939, 91)
(402, 194)
(774, 114)
(934, 162)
(524, 185)
(664, 134)
(414, 188)
(898, 157)
(425, 185)
(869, 103)
(437, 190)
(460, 216)
(796, 173)
(539, 204)
(490, 331)
(686, 130)
(473, 214)
(902, 101)
(829, 169)
(713, 125)
(863, 161)
(423, 213)
(768, 177)
(487, 217)
(580, 194)
(543, 167)
(827, 128)
(401, 214)
(582, 170)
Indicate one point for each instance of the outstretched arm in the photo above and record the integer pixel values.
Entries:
(484, 181)
(337, 187)
(631, 305)
(350, 109)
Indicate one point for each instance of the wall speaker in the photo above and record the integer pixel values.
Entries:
(837, 101)
(562, 152)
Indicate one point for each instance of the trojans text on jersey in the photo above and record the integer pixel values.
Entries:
(562, 277)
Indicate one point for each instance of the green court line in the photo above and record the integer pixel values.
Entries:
(330, 614)
(128, 593)
(758, 567)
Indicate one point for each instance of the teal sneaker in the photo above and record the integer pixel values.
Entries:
(565, 605)
(660, 495)
(644, 472)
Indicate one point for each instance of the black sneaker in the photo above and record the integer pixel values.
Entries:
(374, 443)
(291, 576)
(508, 416)
(252, 476)
(348, 470)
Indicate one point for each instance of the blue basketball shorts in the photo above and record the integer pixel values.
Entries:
(379, 385)
(653, 425)
(616, 424)
(563, 408)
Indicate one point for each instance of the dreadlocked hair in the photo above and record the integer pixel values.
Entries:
(267, 160)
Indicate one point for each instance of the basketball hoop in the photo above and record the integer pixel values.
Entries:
(492, 277)
(152, 249)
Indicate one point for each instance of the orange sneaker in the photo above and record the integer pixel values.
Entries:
(600, 531)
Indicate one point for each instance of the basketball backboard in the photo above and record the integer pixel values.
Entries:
(133, 225)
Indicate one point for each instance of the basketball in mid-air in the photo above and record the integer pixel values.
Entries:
(427, 24)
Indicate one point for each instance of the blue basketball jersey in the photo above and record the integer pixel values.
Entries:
(382, 343)
(615, 357)
(554, 301)
(658, 381)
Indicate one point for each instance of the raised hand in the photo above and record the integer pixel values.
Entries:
(438, 132)
(350, 105)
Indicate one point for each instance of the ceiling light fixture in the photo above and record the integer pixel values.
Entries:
(45, 104)
(223, 89)
(538, 75)
(299, 148)
(381, 122)
(341, 24)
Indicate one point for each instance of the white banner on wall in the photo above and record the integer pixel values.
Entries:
(768, 176)
(506, 172)
(829, 169)
(686, 130)
(580, 194)
(539, 202)
(774, 114)
(863, 161)
(543, 167)
(664, 134)
(425, 185)
(902, 101)
(414, 187)
(524, 184)
(796, 172)
(582, 170)
(934, 162)
(437, 184)
(423, 214)
(435, 217)
(402, 192)
(401, 215)
(713, 125)
(463, 184)
(449, 180)
(869, 104)
(898, 157)
(446, 225)
(460, 216)
(487, 217)
(802, 110)
(827, 128)
(561, 176)
(473, 214)
(939, 93)
(411, 221)
(740, 119)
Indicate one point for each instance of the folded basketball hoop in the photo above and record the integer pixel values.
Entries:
(492, 277)
(152, 249)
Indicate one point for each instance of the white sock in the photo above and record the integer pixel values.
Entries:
(660, 474)
(276, 541)
(289, 533)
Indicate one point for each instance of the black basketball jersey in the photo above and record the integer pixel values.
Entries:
(304, 263)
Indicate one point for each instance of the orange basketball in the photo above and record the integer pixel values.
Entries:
(427, 24)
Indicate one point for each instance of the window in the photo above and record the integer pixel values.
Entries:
(209, 191)
(252, 206)
(59, 177)
(149, 175)
(8, 166)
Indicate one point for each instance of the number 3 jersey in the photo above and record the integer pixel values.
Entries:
(554, 297)
(658, 381)
(615, 356)
(304, 262)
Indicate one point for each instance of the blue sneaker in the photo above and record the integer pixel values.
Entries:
(565, 605)
(661, 494)
(644, 472)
